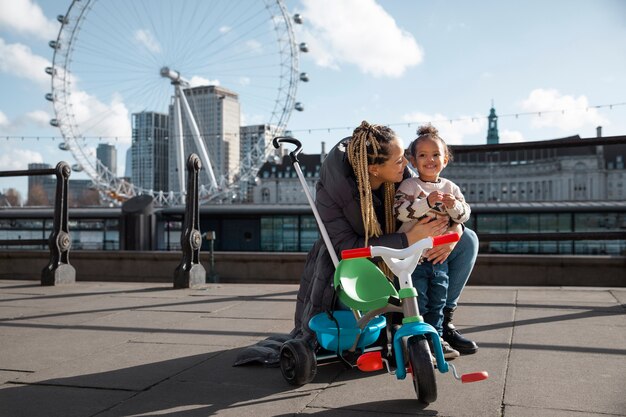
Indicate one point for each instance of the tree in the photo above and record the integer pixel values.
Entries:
(37, 196)
(12, 198)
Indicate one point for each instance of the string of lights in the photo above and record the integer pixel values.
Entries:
(330, 129)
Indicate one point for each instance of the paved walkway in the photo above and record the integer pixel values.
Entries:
(119, 349)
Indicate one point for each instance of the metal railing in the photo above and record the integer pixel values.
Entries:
(190, 272)
(58, 270)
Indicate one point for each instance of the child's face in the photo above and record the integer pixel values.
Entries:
(429, 159)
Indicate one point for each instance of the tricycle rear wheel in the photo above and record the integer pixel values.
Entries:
(298, 363)
(422, 368)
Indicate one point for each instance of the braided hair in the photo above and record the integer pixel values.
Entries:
(370, 145)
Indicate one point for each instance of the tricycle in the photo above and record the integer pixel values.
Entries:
(351, 335)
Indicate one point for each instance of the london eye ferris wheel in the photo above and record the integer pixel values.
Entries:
(116, 58)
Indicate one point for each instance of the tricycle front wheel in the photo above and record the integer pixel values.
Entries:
(298, 363)
(422, 368)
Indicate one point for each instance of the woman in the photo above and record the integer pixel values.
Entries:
(355, 201)
(354, 198)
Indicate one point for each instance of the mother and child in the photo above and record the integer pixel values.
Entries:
(367, 195)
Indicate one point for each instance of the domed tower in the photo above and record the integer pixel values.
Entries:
(492, 132)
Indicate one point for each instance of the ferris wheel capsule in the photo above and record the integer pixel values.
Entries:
(297, 18)
(64, 146)
(298, 106)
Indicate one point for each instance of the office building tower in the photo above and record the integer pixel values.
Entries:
(254, 140)
(39, 186)
(149, 159)
(107, 155)
(217, 114)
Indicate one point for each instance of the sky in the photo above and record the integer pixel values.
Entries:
(551, 70)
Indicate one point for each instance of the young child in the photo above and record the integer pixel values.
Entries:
(430, 195)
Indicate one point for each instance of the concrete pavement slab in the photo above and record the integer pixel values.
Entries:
(129, 366)
(231, 332)
(48, 345)
(549, 351)
(186, 399)
(517, 411)
(556, 380)
(620, 295)
(50, 401)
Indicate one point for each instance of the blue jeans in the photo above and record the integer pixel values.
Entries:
(456, 269)
(431, 283)
(460, 264)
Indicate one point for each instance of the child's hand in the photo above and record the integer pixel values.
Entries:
(448, 200)
(434, 198)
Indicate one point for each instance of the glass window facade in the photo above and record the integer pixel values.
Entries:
(499, 233)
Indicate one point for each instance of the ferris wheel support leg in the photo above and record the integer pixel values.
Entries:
(190, 273)
(180, 146)
(198, 139)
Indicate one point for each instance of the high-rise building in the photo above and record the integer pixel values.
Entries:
(107, 155)
(39, 185)
(149, 158)
(217, 114)
(254, 140)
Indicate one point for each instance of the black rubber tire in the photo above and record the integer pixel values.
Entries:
(297, 362)
(424, 380)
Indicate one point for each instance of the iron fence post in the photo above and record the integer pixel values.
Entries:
(59, 270)
(190, 273)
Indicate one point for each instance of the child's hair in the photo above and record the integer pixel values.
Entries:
(429, 132)
(370, 145)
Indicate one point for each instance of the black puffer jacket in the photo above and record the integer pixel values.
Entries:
(337, 200)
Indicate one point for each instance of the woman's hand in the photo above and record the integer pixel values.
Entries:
(427, 227)
(440, 253)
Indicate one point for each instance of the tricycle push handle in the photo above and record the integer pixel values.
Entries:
(443, 239)
(420, 245)
(288, 139)
(356, 253)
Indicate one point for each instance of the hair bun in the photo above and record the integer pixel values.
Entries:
(427, 130)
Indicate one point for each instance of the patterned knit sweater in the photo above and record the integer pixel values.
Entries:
(411, 203)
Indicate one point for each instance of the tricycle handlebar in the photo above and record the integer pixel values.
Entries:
(420, 245)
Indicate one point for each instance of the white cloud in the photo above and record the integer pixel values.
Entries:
(95, 118)
(18, 60)
(244, 81)
(197, 81)
(563, 112)
(255, 46)
(4, 120)
(224, 29)
(145, 37)
(39, 117)
(361, 33)
(511, 136)
(451, 132)
(25, 17)
(12, 158)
